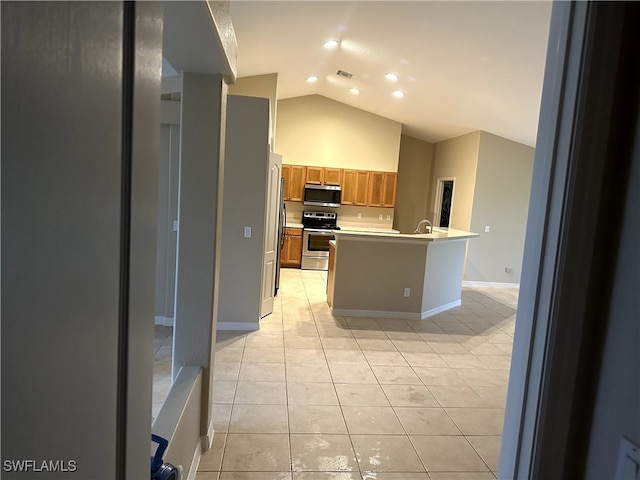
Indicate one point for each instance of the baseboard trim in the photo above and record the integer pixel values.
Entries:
(471, 283)
(165, 321)
(195, 463)
(399, 315)
(375, 314)
(440, 309)
(207, 440)
(243, 326)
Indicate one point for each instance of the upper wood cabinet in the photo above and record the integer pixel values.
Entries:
(294, 178)
(333, 176)
(323, 176)
(382, 189)
(315, 175)
(354, 187)
(359, 187)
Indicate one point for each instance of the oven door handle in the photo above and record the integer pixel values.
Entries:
(320, 232)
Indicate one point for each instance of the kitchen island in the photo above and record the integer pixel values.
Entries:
(395, 275)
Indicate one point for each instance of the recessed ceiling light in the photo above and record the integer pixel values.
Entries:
(312, 79)
(391, 76)
(354, 90)
(330, 44)
(398, 93)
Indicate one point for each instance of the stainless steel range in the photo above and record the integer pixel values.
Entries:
(315, 239)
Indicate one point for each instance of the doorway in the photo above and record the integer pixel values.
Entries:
(444, 202)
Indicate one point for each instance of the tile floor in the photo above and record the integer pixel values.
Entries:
(311, 396)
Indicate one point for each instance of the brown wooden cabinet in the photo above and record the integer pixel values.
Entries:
(354, 187)
(359, 187)
(292, 248)
(294, 178)
(315, 175)
(333, 176)
(382, 189)
(324, 176)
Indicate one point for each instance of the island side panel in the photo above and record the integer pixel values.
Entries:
(443, 276)
(331, 272)
(370, 278)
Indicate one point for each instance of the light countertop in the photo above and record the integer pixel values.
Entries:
(352, 228)
(438, 235)
(293, 225)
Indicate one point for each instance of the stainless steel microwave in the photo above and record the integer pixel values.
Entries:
(322, 195)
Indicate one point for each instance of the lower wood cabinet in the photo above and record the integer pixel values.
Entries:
(292, 248)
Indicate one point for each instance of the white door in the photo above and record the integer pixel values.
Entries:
(271, 234)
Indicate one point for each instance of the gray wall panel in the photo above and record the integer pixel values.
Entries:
(62, 124)
(61, 111)
(144, 209)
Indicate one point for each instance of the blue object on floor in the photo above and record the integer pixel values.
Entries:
(159, 469)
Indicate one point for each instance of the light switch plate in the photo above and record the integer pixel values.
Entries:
(487, 229)
(628, 467)
(247, 232)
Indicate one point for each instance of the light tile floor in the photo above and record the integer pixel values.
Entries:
(311, 396)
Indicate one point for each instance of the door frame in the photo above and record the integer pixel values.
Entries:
(567, 261)
(438, 200)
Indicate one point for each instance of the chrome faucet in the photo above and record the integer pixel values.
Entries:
(423, 222)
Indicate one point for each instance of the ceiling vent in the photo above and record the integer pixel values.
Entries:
(344, 74)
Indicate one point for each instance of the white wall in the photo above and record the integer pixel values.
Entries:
(314, 130)
(500, 201)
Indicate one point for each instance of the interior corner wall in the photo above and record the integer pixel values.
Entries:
(315, 130)
(500, 201)
(457, 157)
(415, 162)
(265, 86)
(245, 184)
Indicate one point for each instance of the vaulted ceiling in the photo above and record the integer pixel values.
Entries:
(463, 66)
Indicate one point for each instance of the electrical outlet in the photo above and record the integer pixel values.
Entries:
(508, 269)
(359, 215)
(388, 217)
(380, 217)
(407, 292)
(247, 232)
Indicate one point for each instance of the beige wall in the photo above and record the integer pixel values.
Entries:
(501, 201)
(457, 157)
(245, 173)
(314, 130)
(414, 183)
(265, 86)
(363, 284)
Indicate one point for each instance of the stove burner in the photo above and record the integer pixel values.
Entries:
(320, 220)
